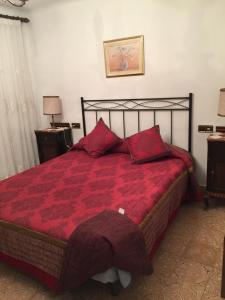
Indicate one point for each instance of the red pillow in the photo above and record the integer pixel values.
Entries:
(121, 147)
(79, 145)
(147, 145)
(99, 140)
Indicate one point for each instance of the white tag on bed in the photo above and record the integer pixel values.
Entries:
(122, 211)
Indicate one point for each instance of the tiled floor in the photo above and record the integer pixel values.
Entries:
(187, 266)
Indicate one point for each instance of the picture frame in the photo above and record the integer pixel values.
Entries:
(124, 57)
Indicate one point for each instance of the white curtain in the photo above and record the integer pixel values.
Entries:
(18, 112)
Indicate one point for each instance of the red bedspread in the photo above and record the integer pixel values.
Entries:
(55, 197)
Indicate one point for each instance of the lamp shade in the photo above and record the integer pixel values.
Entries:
(52, 105)
(221, 108)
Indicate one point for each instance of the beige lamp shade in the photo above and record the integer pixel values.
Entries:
(52, 105)
(221, 108)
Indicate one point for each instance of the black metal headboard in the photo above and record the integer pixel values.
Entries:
(171, 104)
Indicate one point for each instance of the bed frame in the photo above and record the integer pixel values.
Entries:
(170, 104)
(50, 273)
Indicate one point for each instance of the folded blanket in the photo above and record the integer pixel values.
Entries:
(107, 240)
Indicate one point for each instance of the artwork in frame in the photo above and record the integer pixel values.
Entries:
(124, 56)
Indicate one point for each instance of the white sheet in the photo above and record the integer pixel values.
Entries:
(112, 275)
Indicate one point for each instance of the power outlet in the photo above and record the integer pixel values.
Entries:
(76, 125)
(205, 128)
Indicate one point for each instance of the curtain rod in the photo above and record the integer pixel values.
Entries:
(25, 20)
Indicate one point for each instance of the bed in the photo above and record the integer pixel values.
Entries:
(41, 207)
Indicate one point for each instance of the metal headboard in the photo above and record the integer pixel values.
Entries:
(171, 104)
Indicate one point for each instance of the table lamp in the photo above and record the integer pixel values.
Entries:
(52, 106)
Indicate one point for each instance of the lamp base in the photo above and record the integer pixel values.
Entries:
(53, 123)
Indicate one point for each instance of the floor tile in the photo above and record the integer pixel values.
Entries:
(202, 253)
(213, 287)
(207, 235)
(175, 244)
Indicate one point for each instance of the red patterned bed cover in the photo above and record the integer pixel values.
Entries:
(55, 197)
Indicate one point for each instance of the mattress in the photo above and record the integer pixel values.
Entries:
(41, 207)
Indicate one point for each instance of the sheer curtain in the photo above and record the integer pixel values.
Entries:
(18, 112)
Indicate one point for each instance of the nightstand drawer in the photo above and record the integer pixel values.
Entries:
(216, 165)
(47, 138)
(50, 151)
(216, 151)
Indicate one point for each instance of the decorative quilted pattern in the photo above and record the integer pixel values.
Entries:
(147, 145)
(26, 248)
(53, 202)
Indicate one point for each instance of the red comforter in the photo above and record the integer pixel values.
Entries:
(57, 196)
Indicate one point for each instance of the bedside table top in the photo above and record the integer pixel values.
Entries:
(216, 137)
(52, 130)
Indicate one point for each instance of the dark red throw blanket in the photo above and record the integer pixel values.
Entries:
(106, 240)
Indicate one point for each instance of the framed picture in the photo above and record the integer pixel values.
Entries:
(125, 56)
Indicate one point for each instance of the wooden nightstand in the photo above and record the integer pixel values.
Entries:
(216, 167)
(53, 142)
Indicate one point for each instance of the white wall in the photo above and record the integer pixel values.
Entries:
(184, 52)
(10, 10)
